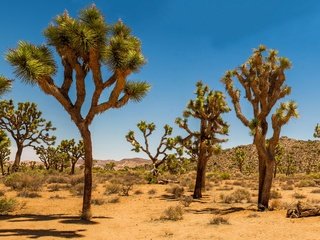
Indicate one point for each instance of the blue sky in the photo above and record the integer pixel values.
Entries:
(183, 41)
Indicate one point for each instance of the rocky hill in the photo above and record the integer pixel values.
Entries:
(297, 156)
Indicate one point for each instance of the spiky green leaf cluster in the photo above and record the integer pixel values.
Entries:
(5, 85)
(32, 63)
(137, 90)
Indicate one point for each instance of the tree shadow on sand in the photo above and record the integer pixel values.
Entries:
(37, 233)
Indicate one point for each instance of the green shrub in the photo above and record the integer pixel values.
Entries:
(224, 176)
(58, 179)
(20, 181)
(173, 213)
(7, 205)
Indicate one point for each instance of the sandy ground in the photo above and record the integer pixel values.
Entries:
(137, 217)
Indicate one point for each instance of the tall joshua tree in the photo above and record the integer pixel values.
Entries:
(317, 131)
(48, 156)
(207, 108)
(25, 125)
(263, 79)
(84, 44)
(166, 144)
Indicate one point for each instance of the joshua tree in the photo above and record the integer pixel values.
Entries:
(5, 85)
(263, 79)
(4, 150)
(84, 44)
(25, 125)
(73, 152)
(317, 131)
(166, 144)
(207, 108)
(49, 156)
(239, 158)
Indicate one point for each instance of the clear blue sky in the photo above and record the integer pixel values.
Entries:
(183, 41)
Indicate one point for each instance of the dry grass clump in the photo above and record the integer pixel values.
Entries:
(276, 204)
(186, 200)
(76, 179)
(152, 191)
(275, 194)
(114, 200)
(176, 191)
(287, 187)
(7, 205)
(306, 183)
(27, 194)
(238, 196)
(225, 188)
(253, 215)
(21, 181)
(58, 179)
(57, 196)
(112, 188)
(138, 192)
(173, 213)
(298, 195)
(316, 190)
(98, 201)
(54, 187)
(219, 221)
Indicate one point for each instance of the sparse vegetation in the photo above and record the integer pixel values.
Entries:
(219, 221)
(7, 205)
(173, 213)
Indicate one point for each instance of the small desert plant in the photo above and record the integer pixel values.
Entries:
(186, 200)
(1, 193)
(53, 187)
(219, 221)
(57, 196)
(7, 205)
(316, 190)
(176, 191)
(98, 201)
(173, 213)
(27, 194)
(125, 189)
(112, 188)
(298, 195)
(275, 204)
(58, 179)
(275, 194)
(287, 187)
(138, 192)
(253, 215)
(114, 200)
(237, 196)
(306, 183)
(224, 176)
(152, 191)
(76, 179)
(77, 189)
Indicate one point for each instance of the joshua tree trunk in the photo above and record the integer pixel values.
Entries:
(2, 168)
(86, 207)
(17, 159)
(73, 166)
(266, 172)
(200, 180)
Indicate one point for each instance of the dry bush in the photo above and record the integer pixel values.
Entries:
(152, 191)
(58, 179)
(2, 193)
(98, 201)
(21, 181)
(306, 183)
(57, 196)
(77, 190)
(27, 194)
(176, 191)
(219, 221)
(125, 189)
(274, 194)
(114, 200)
(276, 204)
(112, 188)
(173, 213)
(54, 187)
(298, 195)
(186, 200)
(237, 196)
(7, 205)
(287, 187)
(138, 192)
(76, 179)
(316, 190)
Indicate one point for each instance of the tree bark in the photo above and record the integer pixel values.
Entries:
(73, 166)
(2, 168)
(16, 164)
(86, 206)
(266, 171)
(201, 171)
